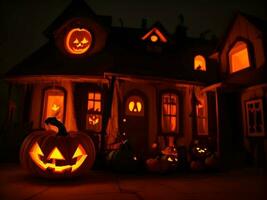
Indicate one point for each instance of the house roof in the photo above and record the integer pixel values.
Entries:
(120, 58)
(124, 53)
(76, 9)
(257, 22)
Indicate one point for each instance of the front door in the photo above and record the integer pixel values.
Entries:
(134, 123)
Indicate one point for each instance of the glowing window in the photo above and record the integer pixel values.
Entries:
(154, 38)
(202, 116)
(200, 63)
(239, 57)
(135, 106)
(169, 113)
(53, 106)
(94, 111)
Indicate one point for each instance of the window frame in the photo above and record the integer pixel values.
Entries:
(206, 117)
(253, 101)
(87, 112)
(251, 56)
(178, 133)
(43, 107)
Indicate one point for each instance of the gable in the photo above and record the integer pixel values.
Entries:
(242, 30)
(155, 35)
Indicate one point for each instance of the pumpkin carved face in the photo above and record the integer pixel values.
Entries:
(51, 155)
(78, 41)
(54, 160)
(135, 106)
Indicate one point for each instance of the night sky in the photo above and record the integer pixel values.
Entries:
(23, 21)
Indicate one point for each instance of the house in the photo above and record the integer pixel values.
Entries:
(146, 83)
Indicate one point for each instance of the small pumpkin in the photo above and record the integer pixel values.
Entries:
(56, 155)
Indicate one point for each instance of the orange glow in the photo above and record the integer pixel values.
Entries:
(169, 113)
(200, 63)
(53, 106)
(93, 119)
(78, 41)
(36, 154)
(156, 34)
(94, 102)
(154, 38)
(131, 106)
(239, 57)
(135, 106)
(55, 154)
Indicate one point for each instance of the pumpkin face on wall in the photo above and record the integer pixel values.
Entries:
(135, 106)
(51, 155)
(78, 41)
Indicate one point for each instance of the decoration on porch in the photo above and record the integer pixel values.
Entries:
(78, 41)
(202, 156)
(166, 161)
(123, 159)
(55, 155)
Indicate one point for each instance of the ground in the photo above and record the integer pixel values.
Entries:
(97, 185)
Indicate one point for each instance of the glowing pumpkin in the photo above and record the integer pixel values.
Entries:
(78, 41)
(135, 106)
(55, 155)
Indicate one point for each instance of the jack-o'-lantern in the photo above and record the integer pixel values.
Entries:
(200, 150)
(55, 155)
(78, 41)
(93, 119)
(135, 106)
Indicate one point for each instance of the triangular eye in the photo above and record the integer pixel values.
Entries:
(76, 41)
(79, 152)
(84, 41)
(55, 154)
(36, 149)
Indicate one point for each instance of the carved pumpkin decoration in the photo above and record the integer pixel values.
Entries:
(51, 155)
(93, 119)
(78, 41)
(135, 106)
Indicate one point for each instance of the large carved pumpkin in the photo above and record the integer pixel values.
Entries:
(55, 155)
(78, 41)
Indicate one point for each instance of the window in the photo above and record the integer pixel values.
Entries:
(94, 112)
(200, 63)
(202, 116)
(169, 113)
(53, 106)
(239, 57)
(254, 117)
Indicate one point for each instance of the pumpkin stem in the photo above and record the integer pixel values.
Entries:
(61, 128)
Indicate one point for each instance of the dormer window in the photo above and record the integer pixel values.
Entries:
(155, 35)
(239, 57)
(200, 63)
